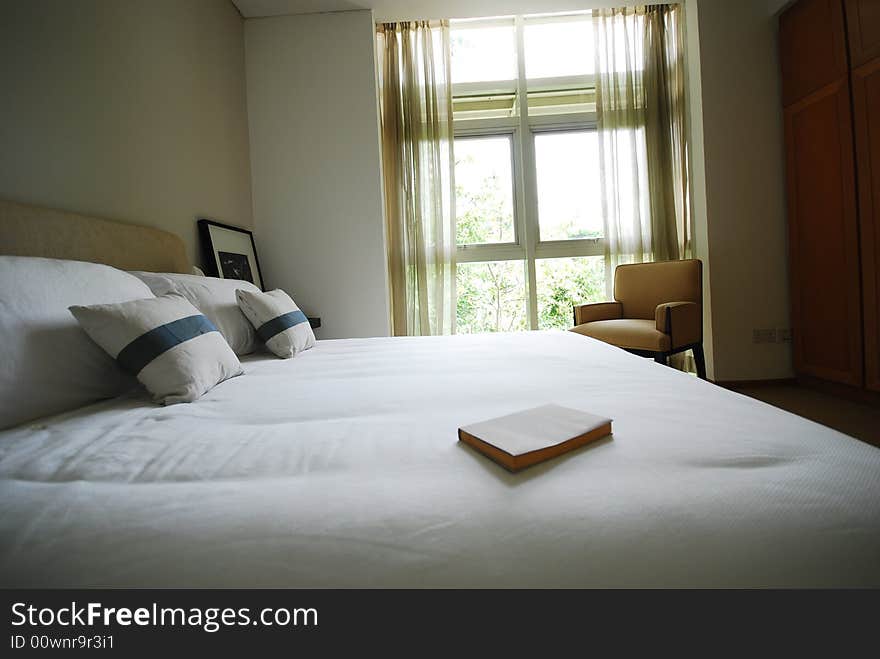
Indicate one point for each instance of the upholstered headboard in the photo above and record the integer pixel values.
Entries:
(35, 231)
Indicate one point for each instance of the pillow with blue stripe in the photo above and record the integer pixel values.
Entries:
(215, 298)
(168, 344)
(279, 322)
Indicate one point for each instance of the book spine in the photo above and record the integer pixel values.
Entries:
(493, 453)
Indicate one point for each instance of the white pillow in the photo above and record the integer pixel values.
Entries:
(47, 363)
(172, 348)
(279, 322)
(215, 298)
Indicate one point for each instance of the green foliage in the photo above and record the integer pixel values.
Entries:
(491, 297)
(483, 212)
(564, 283)
(484, 216)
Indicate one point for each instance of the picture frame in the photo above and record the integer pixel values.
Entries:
(229, 252)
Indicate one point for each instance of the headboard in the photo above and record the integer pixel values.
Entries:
(35, 231)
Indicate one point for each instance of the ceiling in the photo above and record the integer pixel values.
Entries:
(397, 10)
(391, 10)
(258, 8)
(776, 6)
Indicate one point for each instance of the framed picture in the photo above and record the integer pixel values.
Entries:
(229, 252)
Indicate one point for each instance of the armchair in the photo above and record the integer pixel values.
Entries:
(657, 311)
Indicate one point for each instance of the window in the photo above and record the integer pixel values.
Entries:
(558, 47)
(491, 297)
(567, 164)
(483, 52)
(484, 190)
(564, 282)
(529, 224)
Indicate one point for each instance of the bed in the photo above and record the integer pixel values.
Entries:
(340, 468)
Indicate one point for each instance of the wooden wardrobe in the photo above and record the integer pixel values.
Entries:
(830, 59)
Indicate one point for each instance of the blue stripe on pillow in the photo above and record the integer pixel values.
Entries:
(280, 323)
(144, 349)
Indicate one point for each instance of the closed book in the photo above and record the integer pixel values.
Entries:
(522, 439)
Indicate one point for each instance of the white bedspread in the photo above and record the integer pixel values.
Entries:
(341, 468)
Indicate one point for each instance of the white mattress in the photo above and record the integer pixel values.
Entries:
(341, 468)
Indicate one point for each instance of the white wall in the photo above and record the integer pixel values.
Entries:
(743, 222)
(699, 205)
(314, 128)
(129, 110)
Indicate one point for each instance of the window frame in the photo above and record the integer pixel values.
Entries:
(477, 247)
(563, 247)
(522, 129)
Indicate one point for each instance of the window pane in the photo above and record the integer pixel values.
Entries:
(491, 297)
(485, 106)
(564, 101)
(482, 54)
(483, 190)
(569, 204)
(563, 283)
(559, 48)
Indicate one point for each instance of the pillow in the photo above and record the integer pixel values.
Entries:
(215, 298)
(279, 322)
(172, 348)
(47, 363)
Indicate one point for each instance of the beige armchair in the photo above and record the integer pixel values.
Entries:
(657, 312)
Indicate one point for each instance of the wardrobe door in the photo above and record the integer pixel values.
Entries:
(863, 26)
(866, 123)
(823, 236)
(812, 47)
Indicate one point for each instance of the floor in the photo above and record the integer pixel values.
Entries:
(859, 420)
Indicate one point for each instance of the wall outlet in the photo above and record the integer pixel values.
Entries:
(763, 336)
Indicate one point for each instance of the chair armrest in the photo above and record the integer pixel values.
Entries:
(588, 313)
(682, 321)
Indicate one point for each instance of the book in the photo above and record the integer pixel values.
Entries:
(525, 438)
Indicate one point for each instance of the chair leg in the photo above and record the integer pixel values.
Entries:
(660, 358)
(700, 359)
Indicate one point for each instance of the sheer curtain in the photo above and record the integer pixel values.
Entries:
(416, 111)
(641, 124)
(642, 130)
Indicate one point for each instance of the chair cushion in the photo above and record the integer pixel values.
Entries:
(627, 333)
(642, 286)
